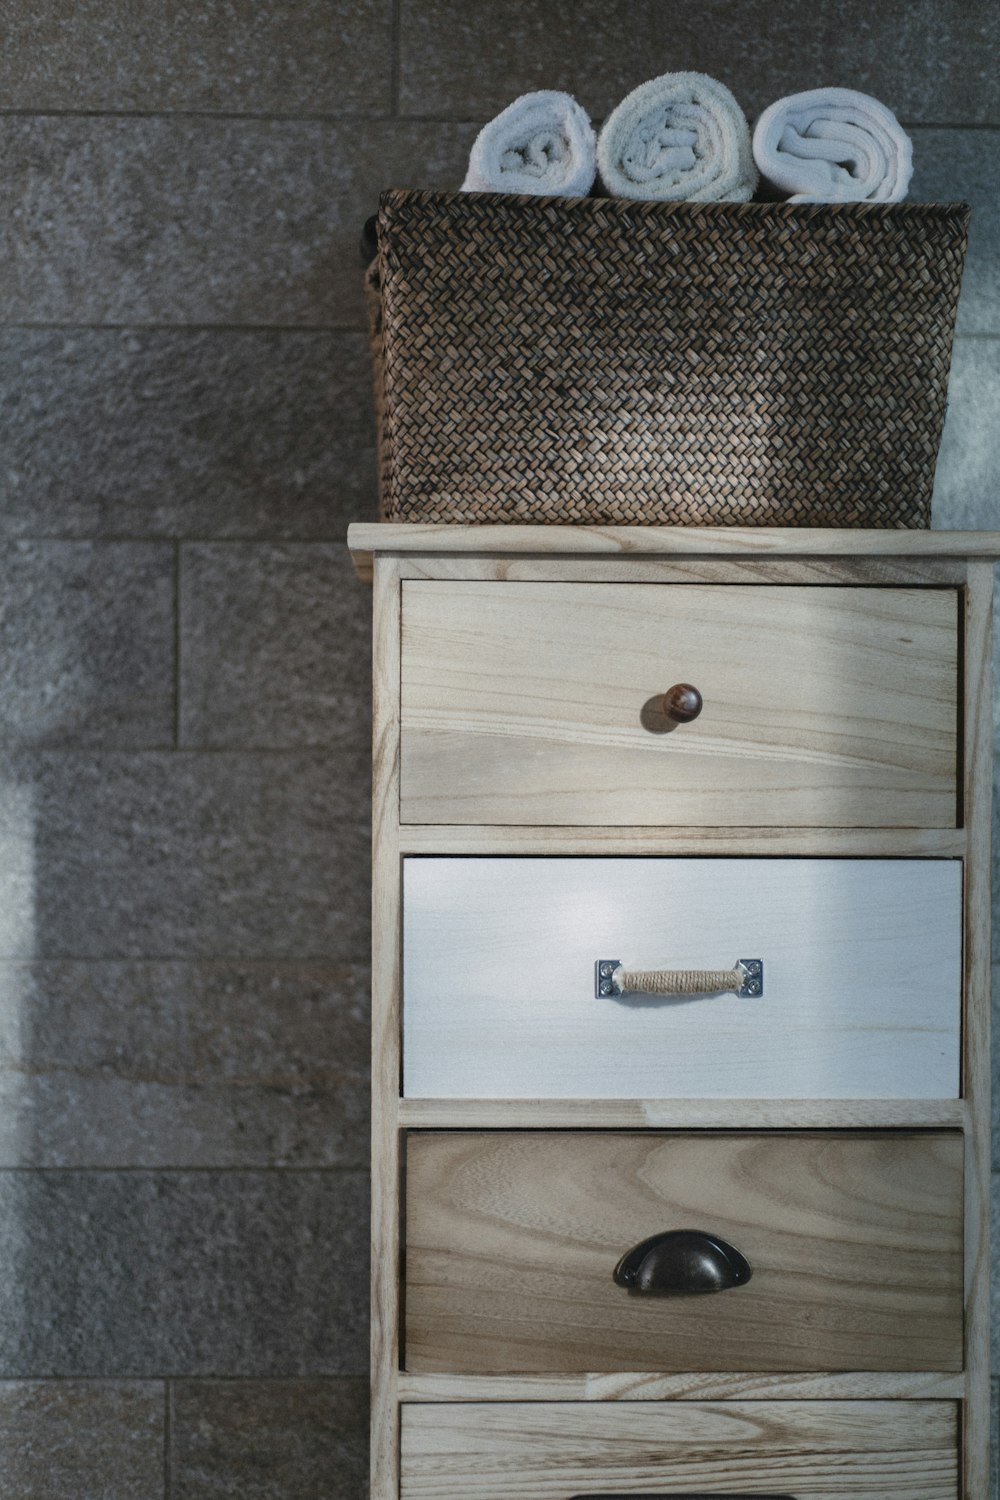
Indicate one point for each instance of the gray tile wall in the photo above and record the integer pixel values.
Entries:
(184, 434)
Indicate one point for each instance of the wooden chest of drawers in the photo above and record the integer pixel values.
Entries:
(680, 1013)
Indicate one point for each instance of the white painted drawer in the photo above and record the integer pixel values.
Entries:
(862, 978)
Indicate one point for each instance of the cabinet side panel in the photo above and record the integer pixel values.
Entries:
(976, 1060)
(385, 1035)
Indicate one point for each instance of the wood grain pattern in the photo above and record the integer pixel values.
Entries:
(855, 1242)
(386, 993)
(856, 843)
(540, 703)
(367, 538)
(677, 1114)
(978, 793)
(862, 978)
(850, 1450)
(710, 1385)
(842, 571)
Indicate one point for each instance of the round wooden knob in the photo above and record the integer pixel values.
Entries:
(682, 702)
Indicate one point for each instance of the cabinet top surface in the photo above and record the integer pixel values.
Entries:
(368, 539)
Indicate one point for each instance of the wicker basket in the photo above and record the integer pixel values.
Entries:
(608, 362)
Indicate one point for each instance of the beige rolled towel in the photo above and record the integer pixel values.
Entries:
(680, 136)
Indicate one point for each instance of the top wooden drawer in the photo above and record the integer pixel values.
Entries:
(540, 703)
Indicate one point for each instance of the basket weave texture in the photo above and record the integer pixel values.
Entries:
(604, 362)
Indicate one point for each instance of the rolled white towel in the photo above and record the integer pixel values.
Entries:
(681, 136)
(542, 143)
(834, 146)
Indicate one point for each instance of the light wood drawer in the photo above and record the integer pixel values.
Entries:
(862, 978)
(801, 1450)
(854, 1241)
(540, 703)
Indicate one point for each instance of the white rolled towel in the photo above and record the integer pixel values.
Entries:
(834, 146)
(681, 136)
(542, 143)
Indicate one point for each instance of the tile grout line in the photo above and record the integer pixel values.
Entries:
(160, 1170)
(279, 117)
(361, 1378)
(177, 646)
(226, 960)
(136, 325)
(128, 538)
(318, 750)
(167, 1436)
(313, 961)
(395, 61)
(357, 117)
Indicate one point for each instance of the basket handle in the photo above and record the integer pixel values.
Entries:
(368, 243)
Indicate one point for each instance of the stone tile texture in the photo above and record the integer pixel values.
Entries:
(81, 1440)
(930, 63)
(306, 57)
(183, 1064)
(164, 855)
(967, 480)
(185, 432)
(275, 648)
(87, 644)
(130, 1274)
(995, 1042)
(174, 220)
(960, 166)
(302, 1440)
(995, 1271)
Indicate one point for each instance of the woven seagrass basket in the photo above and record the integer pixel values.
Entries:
(608, 362)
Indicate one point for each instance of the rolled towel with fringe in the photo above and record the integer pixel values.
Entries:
(833, 146)
(542, 143)
(680, 136)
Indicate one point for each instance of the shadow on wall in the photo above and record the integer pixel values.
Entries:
(184, 942)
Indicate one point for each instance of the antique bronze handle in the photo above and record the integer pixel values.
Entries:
(682, 1263)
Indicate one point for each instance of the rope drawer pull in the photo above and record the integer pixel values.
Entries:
(746, 979)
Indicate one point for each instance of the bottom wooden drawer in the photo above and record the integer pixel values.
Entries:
(795, 1450)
